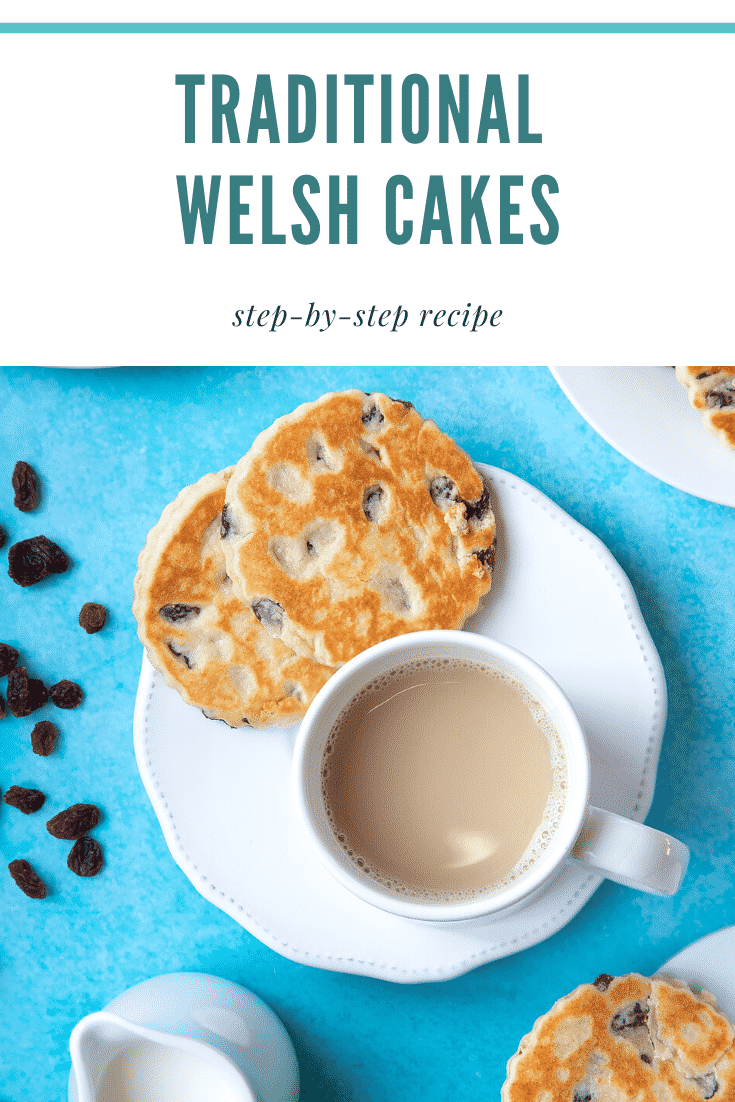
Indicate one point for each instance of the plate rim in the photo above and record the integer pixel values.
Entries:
(591, 419)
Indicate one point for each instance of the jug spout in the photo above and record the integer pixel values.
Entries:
(114, 1060)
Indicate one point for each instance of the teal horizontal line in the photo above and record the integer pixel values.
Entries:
(367, 28)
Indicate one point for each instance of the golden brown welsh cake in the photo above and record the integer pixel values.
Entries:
(712, 391)
(203, 640)
(626, 1040)
(352, 520)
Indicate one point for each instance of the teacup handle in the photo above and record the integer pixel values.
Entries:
(630, 853)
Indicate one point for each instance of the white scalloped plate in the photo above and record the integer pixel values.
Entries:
(644, 413)
(223, 797)
(708, 963)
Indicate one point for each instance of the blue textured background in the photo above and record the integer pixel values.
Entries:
(112, 448)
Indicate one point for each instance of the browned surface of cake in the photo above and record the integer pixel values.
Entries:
(626, 1040)
(711, 390)
(352, 520)
(198, 634)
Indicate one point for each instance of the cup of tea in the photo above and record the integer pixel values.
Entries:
(443, 776)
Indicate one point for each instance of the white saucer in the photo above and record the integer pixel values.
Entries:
(223, 797)
(644, 413)
(708, 963)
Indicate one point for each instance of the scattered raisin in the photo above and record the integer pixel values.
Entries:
(25, 485)
(2, 707)
(443, 492)
(92, 617)
(3, 537)
(487, 556)
(66, 694)
(270, 614)
(603, 981)
(372, 502)
(646, 1058)
(179, 654)
(226, 525)
(26, 800)
(74, 822)
(372, 416)
(43, 738)
(32, 560)
(630, 1017)
(478, 509)
(27, 880)
(25, 694)
(175, 613)
(86, 857)
(8, 659)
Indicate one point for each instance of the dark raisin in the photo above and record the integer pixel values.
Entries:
(478, 509)
(704, 374)
(2, 707)
(92, 617)
(66, 694)
(8, 659)
(581, 1094)
(603, 981)
(25, 694)
(372, 502)
(43, 738)
(176, 613)
(443, 492)
(31, 561)
(646, 1058)
(26, 800)
(3, 537)
(27, 880)
(707, 1084)
(630, 1017)
(227, 526)
(487, 556)
(25, 485)
(86, 857)
(372, 417)
(179, 654)
(720, 399)
(77, 820)
(270, 614)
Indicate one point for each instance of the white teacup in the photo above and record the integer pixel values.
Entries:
(608, 844)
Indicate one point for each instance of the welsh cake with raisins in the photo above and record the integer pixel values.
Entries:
(711, 390)
(623, 1039)
(202, 639)
(352, 520)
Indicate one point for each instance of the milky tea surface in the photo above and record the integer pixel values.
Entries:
(444, 780)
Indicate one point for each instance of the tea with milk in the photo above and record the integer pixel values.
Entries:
(444, 780)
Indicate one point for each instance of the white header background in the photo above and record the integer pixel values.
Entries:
(637, 130)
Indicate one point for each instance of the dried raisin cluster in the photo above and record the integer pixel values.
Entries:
(31, 561)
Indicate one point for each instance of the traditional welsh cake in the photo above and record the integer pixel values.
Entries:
(352, 520)
(712, 391)
(205, 642)
(626, 1039)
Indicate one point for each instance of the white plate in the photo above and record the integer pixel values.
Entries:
(708, 963)
(644, 413)
(223, 797)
